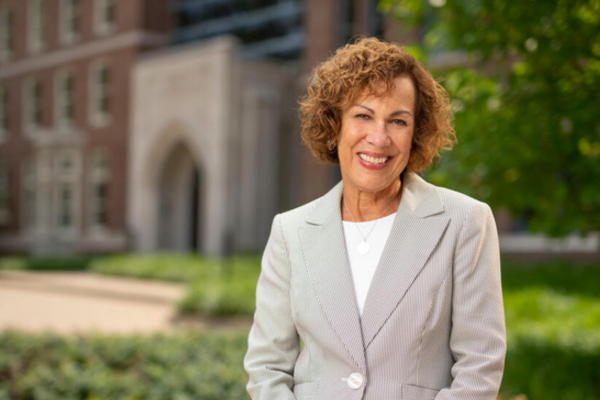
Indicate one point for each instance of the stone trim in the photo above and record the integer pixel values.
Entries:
(84, 50)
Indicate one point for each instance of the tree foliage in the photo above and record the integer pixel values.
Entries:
(527, 103)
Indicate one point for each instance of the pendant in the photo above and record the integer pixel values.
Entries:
(363, 248)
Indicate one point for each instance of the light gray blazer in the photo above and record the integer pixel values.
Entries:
(433, 322)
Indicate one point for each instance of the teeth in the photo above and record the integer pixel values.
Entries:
(373, 160)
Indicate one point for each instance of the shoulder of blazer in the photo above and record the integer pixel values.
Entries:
(458, 204)
(316, 211)
(424, 199)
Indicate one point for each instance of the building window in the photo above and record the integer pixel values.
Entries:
(100, 94)
(65, 207)
(66, 169)
(4, 195)
(29, 192)
(33, 103)
(7, 23)
(37, 24)
(99, 179)
(3, 114)
(104, 16)
(101, 204)
(69, 19)
(65, 98)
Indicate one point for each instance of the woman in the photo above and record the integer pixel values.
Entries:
(387, 287)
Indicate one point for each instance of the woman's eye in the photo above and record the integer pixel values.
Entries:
(362, 116)
(400, 122)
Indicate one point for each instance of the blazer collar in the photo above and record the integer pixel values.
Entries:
(412, 239)
(419, 198)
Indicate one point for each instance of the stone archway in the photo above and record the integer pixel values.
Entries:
(179, 202)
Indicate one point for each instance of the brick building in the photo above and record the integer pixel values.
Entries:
(83, 170)
(65, 70)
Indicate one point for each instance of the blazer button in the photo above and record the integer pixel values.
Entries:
(355, 381)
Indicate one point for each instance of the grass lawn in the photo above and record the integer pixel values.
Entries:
(216, 287)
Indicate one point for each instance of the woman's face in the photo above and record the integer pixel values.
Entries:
(375, 137)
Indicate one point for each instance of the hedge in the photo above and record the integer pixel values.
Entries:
(50, 263)
(208, 366)
(553, 322)
(182, 366)
(215, 286)
(162, 266)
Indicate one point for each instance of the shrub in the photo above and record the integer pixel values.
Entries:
(553, 323)
(216, 286)
(47, 263)
(228, 290)
(164, 266)
(188, 365)
(13, 263)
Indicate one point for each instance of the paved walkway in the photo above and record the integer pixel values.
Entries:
(75, 302)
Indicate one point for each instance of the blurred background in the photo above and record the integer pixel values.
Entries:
(145, 147)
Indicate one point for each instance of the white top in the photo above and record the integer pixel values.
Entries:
(363, 266)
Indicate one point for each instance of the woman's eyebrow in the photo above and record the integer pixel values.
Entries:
(365, 107)
(394, 114)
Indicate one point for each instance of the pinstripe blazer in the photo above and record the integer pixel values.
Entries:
(433, 321)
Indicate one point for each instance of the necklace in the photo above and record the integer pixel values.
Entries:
(364, 247)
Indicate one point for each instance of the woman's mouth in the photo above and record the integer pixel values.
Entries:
(373, 160)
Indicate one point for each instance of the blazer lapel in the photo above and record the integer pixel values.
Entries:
(417, 229)
(326, 261)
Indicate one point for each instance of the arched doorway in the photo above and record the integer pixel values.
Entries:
(179, 202)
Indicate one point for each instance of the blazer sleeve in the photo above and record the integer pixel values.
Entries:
(478, 335)
(273, 343)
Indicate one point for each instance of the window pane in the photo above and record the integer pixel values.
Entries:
(3, 109)
(69, 83)
(101, 196)
(109, 12)
(66, 165)
(6, 31)
(65, 201)
(73, 19)
(41, 21)
(3, 182)
(30, 213)
(30, 197)
(104, 90)
(67, 96)
(37, 103)
(104, 76)
(4, 195)
(100, 163)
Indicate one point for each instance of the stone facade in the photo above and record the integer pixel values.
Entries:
(204, 149)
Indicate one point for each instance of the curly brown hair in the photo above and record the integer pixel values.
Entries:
(337, 82)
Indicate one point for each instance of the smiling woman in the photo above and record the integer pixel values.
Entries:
(392, 284)
(374, 146)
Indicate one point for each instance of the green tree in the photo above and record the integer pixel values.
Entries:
(526, 95)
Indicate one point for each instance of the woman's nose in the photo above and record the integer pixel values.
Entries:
(379, 137)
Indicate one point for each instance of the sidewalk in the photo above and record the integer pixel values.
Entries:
(76, 302)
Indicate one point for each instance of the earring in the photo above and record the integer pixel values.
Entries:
(331, 145)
